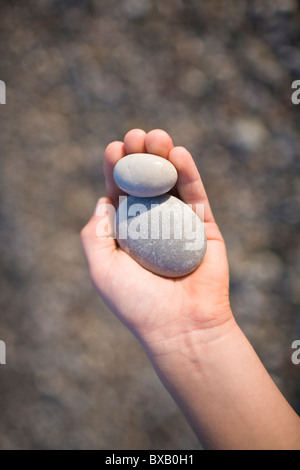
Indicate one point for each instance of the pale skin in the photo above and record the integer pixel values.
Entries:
(186, 325)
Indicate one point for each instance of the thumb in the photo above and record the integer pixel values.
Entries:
(98, 239)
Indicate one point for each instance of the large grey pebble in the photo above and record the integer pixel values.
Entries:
(145, 175)
(170, 250)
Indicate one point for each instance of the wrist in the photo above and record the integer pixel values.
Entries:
(185, 335)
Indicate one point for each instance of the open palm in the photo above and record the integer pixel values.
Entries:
(150, 305)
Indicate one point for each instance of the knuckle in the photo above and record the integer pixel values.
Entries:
(85, 231)
(89, 231)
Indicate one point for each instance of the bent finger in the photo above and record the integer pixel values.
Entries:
(98, 239)
(189, 184)
(112, 154)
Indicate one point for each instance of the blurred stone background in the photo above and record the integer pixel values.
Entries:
(217, 76)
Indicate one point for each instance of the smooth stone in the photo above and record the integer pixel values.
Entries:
(145, 175)
(144, 231)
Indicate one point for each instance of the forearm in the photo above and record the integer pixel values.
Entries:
(224, 390)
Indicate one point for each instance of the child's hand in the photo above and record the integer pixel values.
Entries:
(186, 324)
(159, 309)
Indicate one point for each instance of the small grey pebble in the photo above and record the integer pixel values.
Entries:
(145, 175)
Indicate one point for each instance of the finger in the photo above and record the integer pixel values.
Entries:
(98, 239)
(113, 153)
(159, 143)
(189, 183)
(134, 141)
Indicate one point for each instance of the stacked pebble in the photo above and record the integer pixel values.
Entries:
(157, 230)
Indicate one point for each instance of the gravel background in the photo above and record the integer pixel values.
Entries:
(217, 76)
